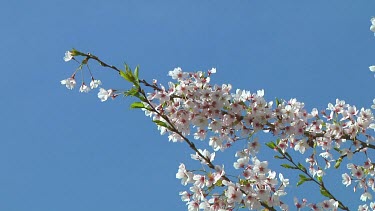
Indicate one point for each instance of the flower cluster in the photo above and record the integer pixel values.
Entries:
(211, 112)
(192, 110)
(70, 82)
(324, 205)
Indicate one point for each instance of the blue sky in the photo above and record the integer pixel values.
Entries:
(62, 150)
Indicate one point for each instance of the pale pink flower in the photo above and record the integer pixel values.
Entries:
(206, 154)
(260, 167)
(69, 82)
(193, 206)
(84, 88)
(241, 163)
(95, 83)
(363, 207)
(213, 70)
(177, 73)
(357, 172)
(301, 146)
(284, 181)
(216, 143)
(365, 196)
(204, 205)
(372, 205)
(200, 180)
(200, 134)
(372, 28)
(185, 176)
(233, 194)
(68, 56)
(252, 202)
(298, 204)
(330, 204)
(346, 180)
(103, 94)
(185, 196)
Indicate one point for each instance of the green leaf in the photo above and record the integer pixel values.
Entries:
(338, 163)
(128, 75)
(219, 183)
(271, 145)
(325, 193)
(320, 179)
(132, 92)
(277, 102)
(302, 179)
(300, 166)
(244, 182)
(127, 68)
(125, 76)
(136, 72)
(287, 166)
(337, 149)
(74, 52)
(300, 182)
(137, 105)
(301, 176)
(278, 157)
(278, 141)
(135, 93)
(161, 123)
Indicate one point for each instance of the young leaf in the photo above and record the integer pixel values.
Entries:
(137, 105)
(287, 166)
(338, 163)
(161, 123)
(300, 182)
(136, 72)
(125, 76)
(244, 182)
(271, 145)
(219, 183)
(132, 92)
(300, 166)
(74, 52)
(278, 157)
(277, 102)
(301, 176)
(128, 75)
(135, 75)
(320, 179)
(302, 179)
(325, 193)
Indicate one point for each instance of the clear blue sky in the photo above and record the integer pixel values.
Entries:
(62, 150)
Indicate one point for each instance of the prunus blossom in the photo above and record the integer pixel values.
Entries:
(194, 110)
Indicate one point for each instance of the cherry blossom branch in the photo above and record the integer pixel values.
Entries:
(170, 126)
(225, 113)
(90, 56)
(191, 144)
(311, 178)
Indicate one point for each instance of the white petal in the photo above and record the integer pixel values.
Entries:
(372, 28)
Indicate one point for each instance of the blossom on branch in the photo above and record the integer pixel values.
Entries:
(69, 82)
(68, 56)
(191, 108)
(104, 94)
